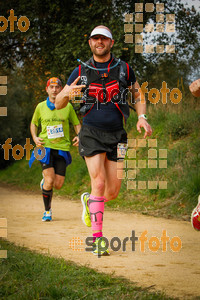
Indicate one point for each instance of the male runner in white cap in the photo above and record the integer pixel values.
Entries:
(102, 136)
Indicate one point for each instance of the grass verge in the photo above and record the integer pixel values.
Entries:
(29, 275)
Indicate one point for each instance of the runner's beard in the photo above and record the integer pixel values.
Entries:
(105, 51)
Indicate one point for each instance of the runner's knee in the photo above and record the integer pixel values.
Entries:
(111, 194)
(49, 181)
(99, 184)
(58, 185)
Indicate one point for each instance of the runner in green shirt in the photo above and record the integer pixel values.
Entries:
(55, 137)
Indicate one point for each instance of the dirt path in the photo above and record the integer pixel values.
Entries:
(175, 273)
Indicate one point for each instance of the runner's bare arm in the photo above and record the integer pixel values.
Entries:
(37, 140)
(77, 128)
(75, 140)
(195, 88)
(140, 106)
(67, 93)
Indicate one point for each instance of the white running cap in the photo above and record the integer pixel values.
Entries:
(101, 31)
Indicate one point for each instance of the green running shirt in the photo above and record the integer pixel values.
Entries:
(55, 125)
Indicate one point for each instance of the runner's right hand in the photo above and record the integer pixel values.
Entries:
(38, 141)
(74, 89)
(68, 93)
(75, 141)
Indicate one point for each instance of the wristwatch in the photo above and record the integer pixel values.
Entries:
(142, 116)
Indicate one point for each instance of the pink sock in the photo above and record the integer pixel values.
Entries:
(96, 207)
(96, 235)
(105, 200)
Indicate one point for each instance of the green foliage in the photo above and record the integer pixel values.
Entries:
(179, 125)
(27, 275)
(58, 34)
(18, 102)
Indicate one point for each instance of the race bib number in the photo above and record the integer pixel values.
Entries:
(121, 150)
(55, 131)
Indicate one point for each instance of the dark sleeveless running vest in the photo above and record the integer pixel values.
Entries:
(111, 86)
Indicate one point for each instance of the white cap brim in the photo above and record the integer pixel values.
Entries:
(101, 31)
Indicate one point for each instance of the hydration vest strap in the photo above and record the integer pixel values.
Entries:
(109, 66)
(88, 111)
(121, 112)
(127, 71)
(79, 70)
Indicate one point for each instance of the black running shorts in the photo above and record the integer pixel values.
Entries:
(94, 141)
(57, 162)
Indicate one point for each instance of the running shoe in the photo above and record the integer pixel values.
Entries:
(195, 217)
(42, 182)
(86, 213)
(47, 217)
(99, 247)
